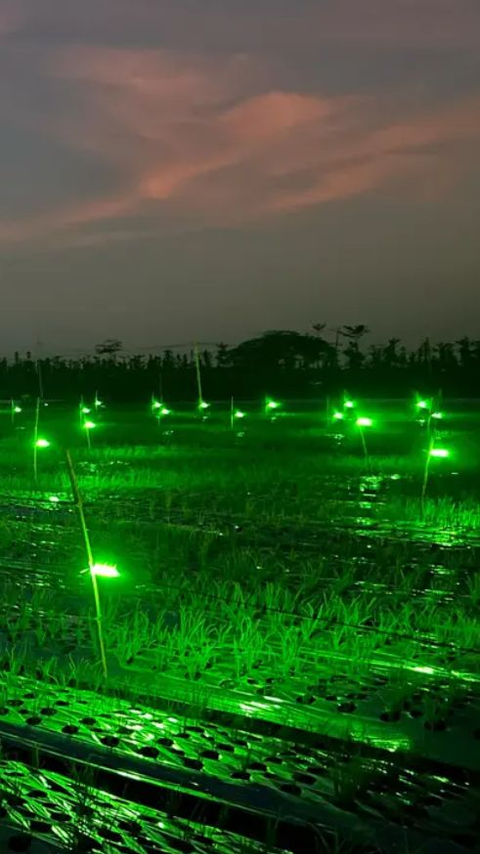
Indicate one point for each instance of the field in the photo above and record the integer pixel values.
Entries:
(292, 641)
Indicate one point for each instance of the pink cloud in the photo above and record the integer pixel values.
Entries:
(11, 18)
(191, 136)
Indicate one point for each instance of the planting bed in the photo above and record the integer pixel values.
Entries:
(293, 643)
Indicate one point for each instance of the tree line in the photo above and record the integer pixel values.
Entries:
(279, 362)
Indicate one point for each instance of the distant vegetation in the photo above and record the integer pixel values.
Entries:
(280, 362)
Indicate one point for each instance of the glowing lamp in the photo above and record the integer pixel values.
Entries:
(439, 452)
(103, 570)
(364, 422)
(42, 443)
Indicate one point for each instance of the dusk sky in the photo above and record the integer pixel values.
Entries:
(174, 170)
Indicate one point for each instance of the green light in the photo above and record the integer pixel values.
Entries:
(156, 404)
(103, 570)
(349, 404)
(17, 409)
(203, 405)
(364, 422)
(272, 404)
(89, 425)
(423, 404)
(239, 414)
(42, 443)
(437, 415)
(165, 411)
(86, 410)
(339, 416)
(439, 452)
(54, 499)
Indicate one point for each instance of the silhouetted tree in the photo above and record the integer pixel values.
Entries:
(109, 347)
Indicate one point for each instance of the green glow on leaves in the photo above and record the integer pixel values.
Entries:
(439, 452)
(85, 410)
(17, 409)
(89, 425)
(103, 570)
(437, 415)
(339, 416)
(156, 404)
(165, 411)
(54, 499)
(349, 404)
(42, 443)
(364, 422)
(272, 404)
(239, 414)
(423, 404)
(203, 405)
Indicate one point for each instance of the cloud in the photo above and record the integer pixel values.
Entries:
(264, 25)
(11, 18)
(207, 138)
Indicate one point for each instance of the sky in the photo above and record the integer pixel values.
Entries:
(181, 170)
